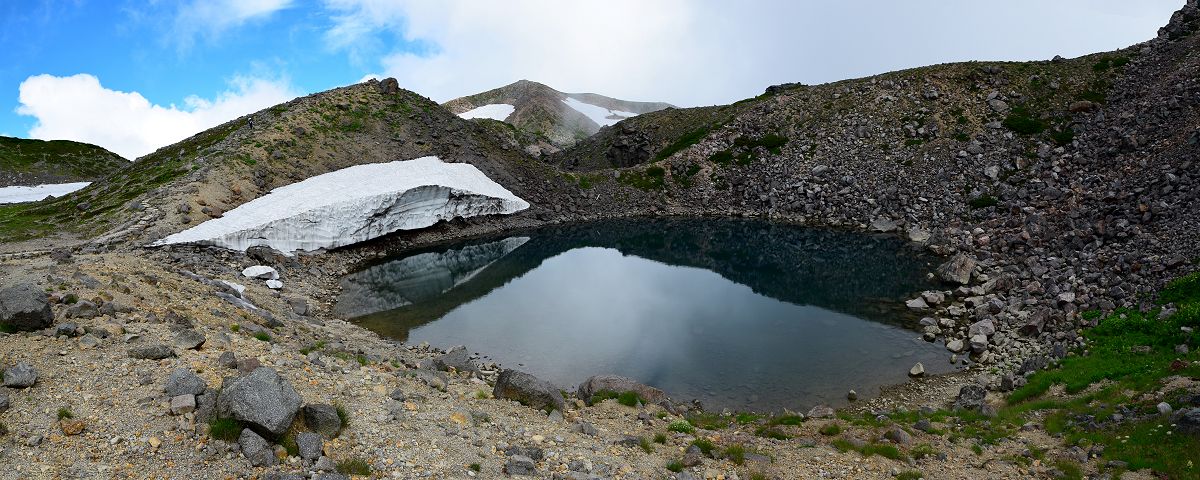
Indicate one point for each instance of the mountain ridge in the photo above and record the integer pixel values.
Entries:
(33, 162)
(551, 114)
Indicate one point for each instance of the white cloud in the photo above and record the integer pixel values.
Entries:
(695, 52)
(213, 17)
(79, 108)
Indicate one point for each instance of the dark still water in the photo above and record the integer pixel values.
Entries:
(746, 315)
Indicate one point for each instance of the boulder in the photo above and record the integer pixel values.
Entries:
(619, 384)
(520, 465)
(25, 307)
(970, 397)
(256, 449)
(955, 345)
(983, 327)
(188, 339)
(957, 270)
(1187, 421)
(529, 390)
(151, 352)
(979, 343)
(262, 399)
(917, 370)
(22, 375)
(182, 404)
(457, 359)
(310, 445)
(322, 419)
(183, 382)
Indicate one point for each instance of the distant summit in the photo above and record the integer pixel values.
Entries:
(561, 118)
(32, 162)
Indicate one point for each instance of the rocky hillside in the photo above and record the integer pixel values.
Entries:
(35, 162)
(216, 170)
(562, 119)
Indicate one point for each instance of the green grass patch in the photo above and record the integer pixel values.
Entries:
(909, 475)
(264, 336)
(747, 418)
(1129, 354)
(288, 442)
(675, 466)
(1063, 137)
(342, 414)
(787, 420)
(660, 438)
(652, 178)
(688, 139)
(1024, 122)
(629, 399)
(645, 445)
(64, 413)
(982, 201)
(226, 429)
(830, 430)
(735, 453)
(354, 466)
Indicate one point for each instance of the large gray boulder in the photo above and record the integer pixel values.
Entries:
(25, 307)
(970, 397)
(529, 390)
(957, 270)
(262, 399)
(619, 384)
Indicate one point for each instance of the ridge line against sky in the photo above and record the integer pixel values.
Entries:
(133, 76)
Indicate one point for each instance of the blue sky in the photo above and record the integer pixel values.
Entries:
(137, 75)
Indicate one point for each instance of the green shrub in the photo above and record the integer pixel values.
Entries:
(909, 475)
(264, 336)
(736, 453)
(688, 139)
(675, 466)
(1063, 137)
(831, 429)
(660, 438)
(681, 426)
(982, 201)
(65, 413)
(705, 445)
(645, 445)
(650, 179)
(708, 420)
(342, 414)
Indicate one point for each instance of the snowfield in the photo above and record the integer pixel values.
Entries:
(19, 194)
(602, 116)
(355, 204)
(495, 111)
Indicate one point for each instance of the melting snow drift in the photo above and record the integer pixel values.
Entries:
(495, 111)
(355, 204)
(20, 194)
(602, 116)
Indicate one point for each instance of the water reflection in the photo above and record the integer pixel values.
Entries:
(740, 314)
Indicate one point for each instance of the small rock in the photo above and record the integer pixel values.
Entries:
(188, 339)
(151, 352)
(917, 370)
(322, 419)
(274, 284)
(1164, 408)
(852, 395)
(183, 382)
(520, 465)
(261, 272)
(22, 375)
(898, 436)
(182, 404)
(256, 449)
(227, 360)
(71, 426)
(310, 445)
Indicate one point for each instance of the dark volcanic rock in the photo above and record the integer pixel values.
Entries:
(262, 398)
(957, 270)
(151, 352)
(322, 419)
(25, 307)
(529, 390)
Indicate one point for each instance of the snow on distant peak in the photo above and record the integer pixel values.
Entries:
(355, 204)
(495, 111)
(602, 116)
(19, 194)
